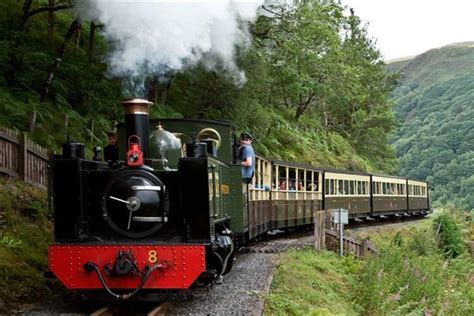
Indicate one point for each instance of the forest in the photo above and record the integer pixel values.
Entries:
(316, 87)
(435, 104)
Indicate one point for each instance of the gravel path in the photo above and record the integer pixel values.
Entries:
(242, 292)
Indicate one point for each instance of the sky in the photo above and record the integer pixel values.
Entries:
(405, 28)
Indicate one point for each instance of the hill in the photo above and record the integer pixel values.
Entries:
(435, 104)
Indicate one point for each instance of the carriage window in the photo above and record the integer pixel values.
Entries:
(315, 185)
(333, 187)
(340, 187)
(282, 185)
(359, 187)
(300, 185)
(292, 179)
(327, 189)
(351, 187)
(346, 187)
(308, 181)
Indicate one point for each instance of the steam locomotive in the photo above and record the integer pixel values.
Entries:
(173, 212)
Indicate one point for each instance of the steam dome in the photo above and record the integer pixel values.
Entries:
(162, 141)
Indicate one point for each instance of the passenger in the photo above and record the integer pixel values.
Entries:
(282, 185)
(292, 186)
(247, 156)
(300, 186)
(111, 150)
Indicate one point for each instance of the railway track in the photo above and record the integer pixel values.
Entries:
(161, 309)
(280, 242)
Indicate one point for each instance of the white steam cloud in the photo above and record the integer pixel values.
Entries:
(151, 38)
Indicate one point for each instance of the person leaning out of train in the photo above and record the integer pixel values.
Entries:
(111, 150)
(247, 157)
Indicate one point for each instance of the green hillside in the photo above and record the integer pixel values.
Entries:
(435, 103)
(315, 92)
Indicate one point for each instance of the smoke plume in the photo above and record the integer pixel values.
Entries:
(152, 38)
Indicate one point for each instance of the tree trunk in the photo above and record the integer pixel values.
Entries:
(300, 110)
(32, 122)
(66, 122)
(75, 25)
(164, 94)
(92, 29)
(51, 21)
(152, 94)
(77, 38)
(25, 10)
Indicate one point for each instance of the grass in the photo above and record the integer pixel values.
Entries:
(23, 244)
(411, 275)
(306, 283)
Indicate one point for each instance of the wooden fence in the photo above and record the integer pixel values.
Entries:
(22, 158)
(327, 237)
(350, 245)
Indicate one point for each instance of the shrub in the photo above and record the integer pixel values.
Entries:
(449, 235)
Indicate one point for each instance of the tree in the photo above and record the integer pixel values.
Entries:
(27, 11)
(73, 29)
(302, 43)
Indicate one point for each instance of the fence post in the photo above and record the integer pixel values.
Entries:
(365, 248)
(22, 153)
(319, 230)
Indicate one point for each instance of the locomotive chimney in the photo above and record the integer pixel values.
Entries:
(137, 123)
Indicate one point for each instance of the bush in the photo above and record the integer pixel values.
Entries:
(449, 235)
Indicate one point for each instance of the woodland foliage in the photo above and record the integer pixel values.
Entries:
(316, 90)
(435, 105)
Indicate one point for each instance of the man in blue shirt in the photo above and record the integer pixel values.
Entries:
(247, 156)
